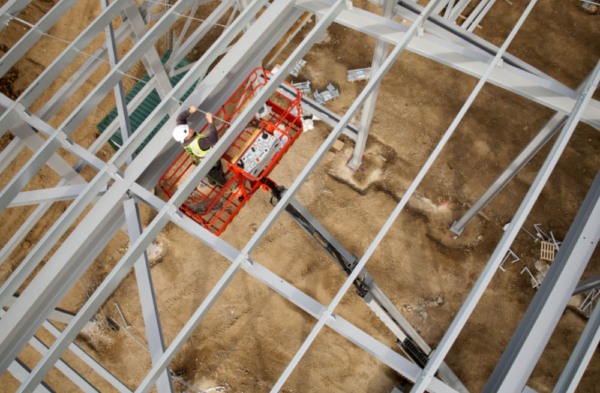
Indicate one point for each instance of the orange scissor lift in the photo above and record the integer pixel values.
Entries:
(214, 206)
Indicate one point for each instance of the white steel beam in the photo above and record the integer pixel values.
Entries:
(32, 294)
(10, 10)
(366, 117)
(510, 234)
(262, 230)
(19, 49)
(151, 59)
(11, 115)
(548, 304)
(63, 367)
(91, 101)
(539, 89)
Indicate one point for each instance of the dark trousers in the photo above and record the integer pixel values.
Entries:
(216, 175)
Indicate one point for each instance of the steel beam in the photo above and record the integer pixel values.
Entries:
(21, 372)
(538, 141)
(291, 293)
(11, 115)
(111, 47)
(74, 242)
(458, 9)
(19, 49)
(587, 285)
(581, 356)
(156, 342)
(262, 230)
(514, 227)
(90, 361)
(48, 195)
(91, 101)
(474, 14)
(10, 152)
(58, 314)
(381, 51)
(10, 10)
(376, 299)
(542, 90)
(63, 367)
(171, 63)
(88, 68)
(548, 304)
(198, 34)
(151, 58)
(481, 15)
(55, 291)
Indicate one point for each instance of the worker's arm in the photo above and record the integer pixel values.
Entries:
(212, 138)
(183, 116)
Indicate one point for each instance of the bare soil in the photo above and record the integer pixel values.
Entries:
(249, 336)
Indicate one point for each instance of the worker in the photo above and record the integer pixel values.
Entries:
(198, 145)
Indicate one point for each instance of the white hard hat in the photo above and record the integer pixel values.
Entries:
(181, 132)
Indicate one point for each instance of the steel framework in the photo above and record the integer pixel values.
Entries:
(114, 194)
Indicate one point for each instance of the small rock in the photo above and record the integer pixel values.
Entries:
(480, 237)
(423, 314)
(26, 245)
(440, 299)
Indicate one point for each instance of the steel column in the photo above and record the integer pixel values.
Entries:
(376, 299)
(70, 246)
(381, 51)
(514, 227)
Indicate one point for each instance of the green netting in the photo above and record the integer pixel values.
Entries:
(144, 109)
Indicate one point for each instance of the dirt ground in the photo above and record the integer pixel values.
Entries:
(249, 336)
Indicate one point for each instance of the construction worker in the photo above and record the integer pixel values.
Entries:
(198, 145)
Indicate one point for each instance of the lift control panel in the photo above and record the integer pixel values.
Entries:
(259, 154)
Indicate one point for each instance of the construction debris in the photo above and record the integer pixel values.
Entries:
(327, 95)
(547, 251)
(304, 87)
(296, 70)
(360, 74)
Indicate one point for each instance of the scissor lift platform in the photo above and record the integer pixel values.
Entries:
(215, 206)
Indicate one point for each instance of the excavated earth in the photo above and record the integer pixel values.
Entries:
(251, 333)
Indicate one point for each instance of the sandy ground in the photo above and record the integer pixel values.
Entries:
(249, 336)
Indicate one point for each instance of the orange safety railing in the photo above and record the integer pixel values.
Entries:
(215, 206)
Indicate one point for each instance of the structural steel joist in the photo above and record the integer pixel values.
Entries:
(548, 304)
(514, 227)
(104, 219)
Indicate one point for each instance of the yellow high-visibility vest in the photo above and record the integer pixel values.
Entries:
(195, 149)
